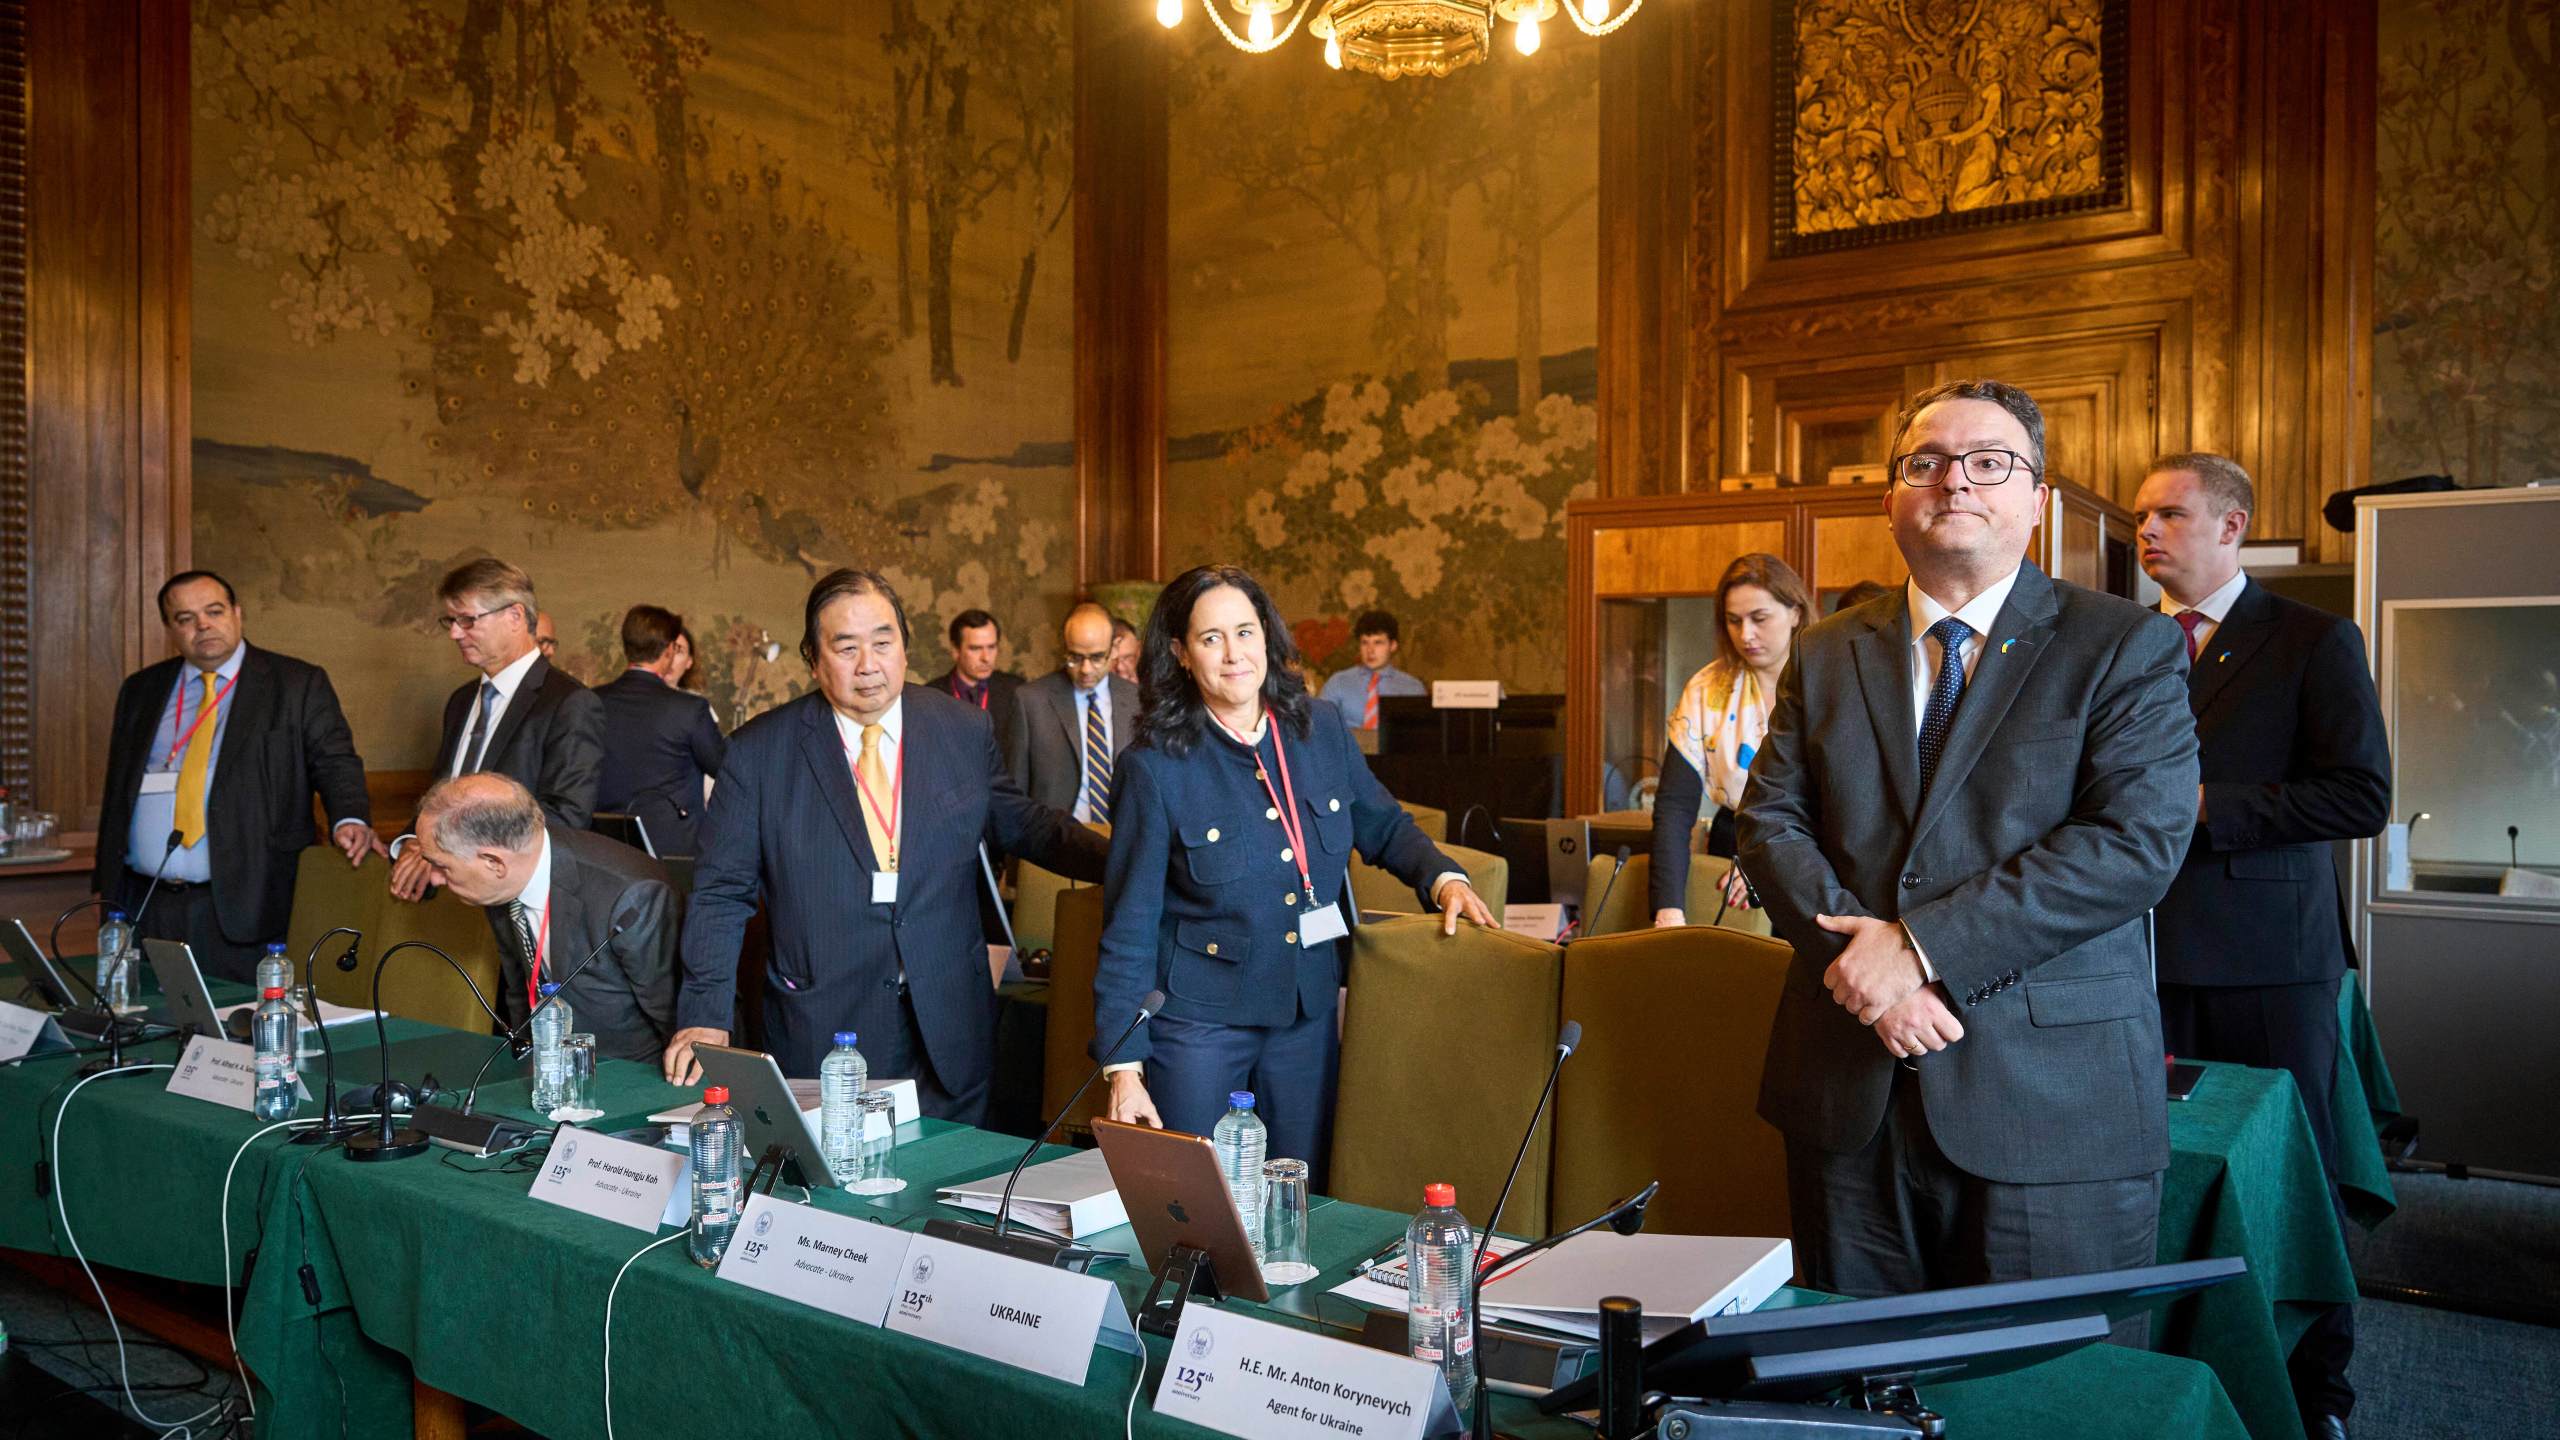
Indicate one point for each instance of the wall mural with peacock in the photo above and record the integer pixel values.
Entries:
(677, 301)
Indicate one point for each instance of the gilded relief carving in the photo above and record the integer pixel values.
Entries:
(1907, 112)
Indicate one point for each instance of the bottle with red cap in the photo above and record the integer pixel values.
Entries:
(271, 1050)
(716, 1179)
(1439, 1310)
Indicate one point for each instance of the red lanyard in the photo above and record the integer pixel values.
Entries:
(533, 976)
(1290, 825)
(988, 689)
(178, 707)
(897, 797)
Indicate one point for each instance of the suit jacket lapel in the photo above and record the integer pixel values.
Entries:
(569, 911)
(1882, 673)
(2232, 644)
(823, 747)
(1062, 699)
(520, 707)
(253, 709)
(2017, 641)
(1124, 714)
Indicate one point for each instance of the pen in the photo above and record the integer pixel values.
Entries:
(1393, 1251)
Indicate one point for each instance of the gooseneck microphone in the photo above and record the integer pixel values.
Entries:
(1568, 1040)
(1147, 1008)
(1591, 916)
(331, 1127)
(390, 1140)
(509, 1040)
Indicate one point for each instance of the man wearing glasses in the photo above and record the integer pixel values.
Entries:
(1070, 725)
(1970, 793)
(520, 718)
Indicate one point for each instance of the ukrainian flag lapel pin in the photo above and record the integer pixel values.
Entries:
(2005, 644)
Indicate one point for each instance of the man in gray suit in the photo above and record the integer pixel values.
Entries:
(1070, 725)
(553, 894)
(1970, 793)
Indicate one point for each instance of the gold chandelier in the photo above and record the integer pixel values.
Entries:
(1396, 38)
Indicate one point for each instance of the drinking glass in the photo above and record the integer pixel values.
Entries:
(1284, 1215)
(578, 1085)
(875, 1170)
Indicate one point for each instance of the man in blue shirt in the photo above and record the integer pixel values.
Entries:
(211, 769)
(1356, 691)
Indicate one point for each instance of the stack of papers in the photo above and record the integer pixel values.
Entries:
(1677, 1278)
(1071, 1198)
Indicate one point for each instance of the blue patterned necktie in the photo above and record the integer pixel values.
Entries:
(1097, 759)
(1950, 633)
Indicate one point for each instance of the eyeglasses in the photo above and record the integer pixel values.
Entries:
(1087, 659)
(464, 624)
(1925, 468)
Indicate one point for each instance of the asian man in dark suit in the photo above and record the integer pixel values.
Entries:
(553, 896)
(660, 742)
(853, 815)
(521, 718)
(1969, 795)
(222, 747)
(2251, 943)
(1070, 725)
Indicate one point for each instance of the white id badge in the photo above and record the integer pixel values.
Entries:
(884, 887)
(1319, 925)
(160, 782)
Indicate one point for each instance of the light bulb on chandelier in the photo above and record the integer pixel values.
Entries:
(1168, 13)
(1258, 29)
(1525, 34)
(1333, 51)
(1595, 11)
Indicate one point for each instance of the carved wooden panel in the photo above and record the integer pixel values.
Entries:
(1903, 118)
(16, 716)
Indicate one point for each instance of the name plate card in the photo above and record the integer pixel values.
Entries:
(1466, 694)
(1538, 922)
(1032, 1317)
(224, 1072)
(617, 1180)
(1258, 1380)
(27, 1032)
(836, 1263)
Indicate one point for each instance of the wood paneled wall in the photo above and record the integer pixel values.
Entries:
(2223, 303)
(1123, 128)
(108, 319)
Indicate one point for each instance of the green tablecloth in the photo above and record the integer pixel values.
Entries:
(2244, 1179)
(2362, 1088)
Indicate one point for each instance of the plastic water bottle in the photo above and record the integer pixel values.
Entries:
(274, 971)
(841, 1077)
(272, 1036)
(716, 1183)
(1439, 1256)
(550, 1050)
(115, 961)
(1240, 1141)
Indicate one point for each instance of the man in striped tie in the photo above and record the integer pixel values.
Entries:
(1071, 724)
(1355, 691)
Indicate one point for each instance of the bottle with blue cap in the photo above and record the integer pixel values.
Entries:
(841, 1078)
(1240, 1142)
(551, 1025)
(275, 972)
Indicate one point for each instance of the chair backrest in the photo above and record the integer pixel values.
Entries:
(420, 986)
(327, 893)
(1373, 889)
(1035, 902)
(1675, 1027)
(1628, 903)
(1432, 1090)
(1429, 819)
(1074, 954)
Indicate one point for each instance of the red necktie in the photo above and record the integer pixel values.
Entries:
(1369, 712)
(2192, 621)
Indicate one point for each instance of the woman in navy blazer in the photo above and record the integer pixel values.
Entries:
(1233, 820)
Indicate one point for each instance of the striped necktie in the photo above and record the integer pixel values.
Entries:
(1097, 758)
(1369, 712)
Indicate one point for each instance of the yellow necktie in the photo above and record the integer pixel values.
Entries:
(190, 816)
(879, 792)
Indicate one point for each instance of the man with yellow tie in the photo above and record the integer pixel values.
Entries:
(853, 816)
(211, 769)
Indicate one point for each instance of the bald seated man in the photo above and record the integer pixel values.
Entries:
(553, 895)
(1070, 725)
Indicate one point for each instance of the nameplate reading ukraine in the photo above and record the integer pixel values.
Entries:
(1032, 1317)
(224, 1072)
(595, 1174)
(836, 1263)
(1258, 1380)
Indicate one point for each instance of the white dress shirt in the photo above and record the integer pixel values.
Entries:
(892, 726)
(536, 900)
(2214, 607)
(508, 682)
(1979, 614)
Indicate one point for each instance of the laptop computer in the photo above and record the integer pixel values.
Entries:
(76, 1016)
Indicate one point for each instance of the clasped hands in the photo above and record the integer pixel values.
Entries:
(1878, 978)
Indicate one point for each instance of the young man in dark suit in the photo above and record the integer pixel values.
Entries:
(553, 896)
(1969, 795)
(976, 676)
(221, 748)
(853, 815)
(659, 742)
(2294, 757)
(521, 717)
